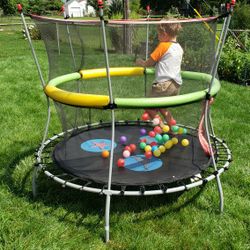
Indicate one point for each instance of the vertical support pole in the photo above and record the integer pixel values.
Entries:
(146, 55)
(108, 192)
(36, 169)
(207, 104)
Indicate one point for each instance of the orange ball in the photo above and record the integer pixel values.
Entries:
(105, 154)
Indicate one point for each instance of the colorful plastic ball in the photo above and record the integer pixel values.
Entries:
(121, 163)
(126, 153)
(157, 153)
(143, 140)
(157, 130)
(143, 131)
(123, 139)
(165, 137)
(128, 148)
(148, 154)
(154, 148)
(184, 131)
(132, 147)
(142, 145)
(175, 128)
(165, 128)
(153, 143)
(156, 121)
(168, 144)
(105, 154)
(158, 137)
(151, 133)
(180, 131)
(172, 122)
(185, 142)
(162, 148)
(174, 140)
(148, 148)
(145, 116)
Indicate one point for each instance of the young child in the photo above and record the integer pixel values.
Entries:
(166, 58)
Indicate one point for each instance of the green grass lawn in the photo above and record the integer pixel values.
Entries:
(67, 219)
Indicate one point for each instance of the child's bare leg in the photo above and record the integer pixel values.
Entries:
(167, 115)
(152, 113)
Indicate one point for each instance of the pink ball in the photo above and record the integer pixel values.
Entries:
(126, 153)
(156, 121)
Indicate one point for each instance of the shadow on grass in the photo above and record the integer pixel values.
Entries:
(53, 196)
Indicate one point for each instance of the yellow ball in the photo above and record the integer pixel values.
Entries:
(174, 140)
(180, 131)
(148, 148)
(162, 149)
(185, 142)
(169, 144)
(165, 128)
(157, 153)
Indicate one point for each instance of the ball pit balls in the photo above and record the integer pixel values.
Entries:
(156, 121)
(142, 145)
(132, 147)
(148, 148)
(126, 153)
(128, 148)
(180, 131)
(158, 137)
(174, 140)
(154, 148)
(165, 128)
(175, 128)
(105, 154)
(121, 163)
(151, 133)
(145, 116)
(153, 143)
(143, 131)
(162, 148)
(172, 122)
(157, 153)
(157, 130)
(184, 131)
(143, 140)
(168, 144)
(148, 154)
(185, 142)
(123, 139)
(165, 137)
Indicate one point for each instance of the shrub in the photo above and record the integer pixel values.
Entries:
(241, 17)
(34, 32)
(235, 63)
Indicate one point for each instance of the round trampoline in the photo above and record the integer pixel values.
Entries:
(106, 145)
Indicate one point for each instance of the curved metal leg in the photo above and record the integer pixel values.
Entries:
(107, 215)
(220, 193)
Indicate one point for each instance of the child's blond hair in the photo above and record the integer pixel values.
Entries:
(171, 29)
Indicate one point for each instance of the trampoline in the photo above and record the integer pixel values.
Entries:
(100, 96)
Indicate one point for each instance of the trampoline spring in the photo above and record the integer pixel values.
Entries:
(123, 188)
(142, 189)
(204, 182)
(163, 188)
(215, 173)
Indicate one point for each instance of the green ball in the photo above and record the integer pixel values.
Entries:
(165, 137)
(143, 145)
(158, 137)
(175, 128)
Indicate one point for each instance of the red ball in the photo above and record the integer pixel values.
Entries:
(148, 154)
(121, 163)
(153, 143)
(151, 133)
(143, 140)
(132, 147)
(157, 130)
(128, 148)
(172, 122)
(145, 116)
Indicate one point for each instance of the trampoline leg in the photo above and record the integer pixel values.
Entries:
(220, 193)
(107, 214)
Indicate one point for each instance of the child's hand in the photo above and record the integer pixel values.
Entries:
(140, 62)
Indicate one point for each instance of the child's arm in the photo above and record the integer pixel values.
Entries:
(140, 62)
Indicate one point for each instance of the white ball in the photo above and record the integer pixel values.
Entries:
(156, 121)
(126, 153)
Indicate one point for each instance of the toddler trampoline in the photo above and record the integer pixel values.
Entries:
(100, 97)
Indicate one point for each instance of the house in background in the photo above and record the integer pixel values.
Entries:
(78, 8)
